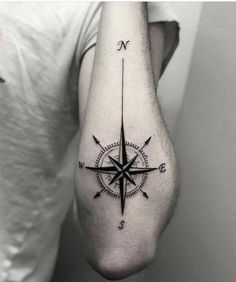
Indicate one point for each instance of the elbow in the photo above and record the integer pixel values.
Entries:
(118, 265)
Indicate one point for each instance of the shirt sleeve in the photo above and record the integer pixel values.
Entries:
(157, 12)
(163, 12)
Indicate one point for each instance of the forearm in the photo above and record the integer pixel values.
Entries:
(123, 112)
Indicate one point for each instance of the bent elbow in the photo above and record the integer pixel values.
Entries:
(118, 265)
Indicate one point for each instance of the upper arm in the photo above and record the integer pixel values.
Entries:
(157, 41)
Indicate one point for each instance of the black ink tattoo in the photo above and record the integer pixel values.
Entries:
(2, 80)
(162, 167)
(81, 164)
(145, 143)
(122, 167)
(122, 223)
(121, 44)
(97, 142)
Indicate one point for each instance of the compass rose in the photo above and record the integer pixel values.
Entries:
(122, 171)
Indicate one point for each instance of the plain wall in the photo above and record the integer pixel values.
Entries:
(172, 85)
(200, 243)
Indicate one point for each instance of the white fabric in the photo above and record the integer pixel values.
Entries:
(41, 46)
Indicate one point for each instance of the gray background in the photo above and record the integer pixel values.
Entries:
(199, 245)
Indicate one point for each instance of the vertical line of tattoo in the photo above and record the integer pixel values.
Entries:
(122, 92)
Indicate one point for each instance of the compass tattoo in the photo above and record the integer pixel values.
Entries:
(122, 167)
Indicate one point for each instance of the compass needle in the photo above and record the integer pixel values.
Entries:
(139, 170)
(129, 177)
(108, 169)
(130, 163)
(122, 193)
(117, 165)
(116, 177)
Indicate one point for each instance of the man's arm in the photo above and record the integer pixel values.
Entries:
(126, 175)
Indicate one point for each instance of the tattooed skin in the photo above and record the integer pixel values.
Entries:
(122, 167)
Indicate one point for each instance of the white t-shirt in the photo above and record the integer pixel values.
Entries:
(41, 47)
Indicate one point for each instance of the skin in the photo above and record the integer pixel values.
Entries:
(116, 254)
